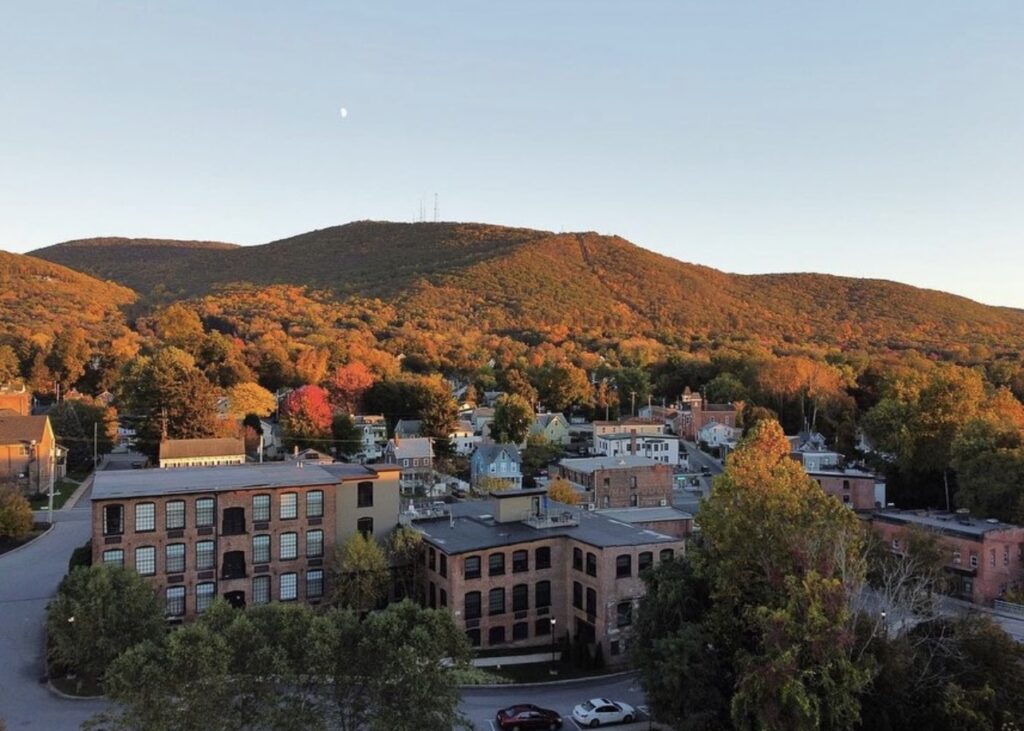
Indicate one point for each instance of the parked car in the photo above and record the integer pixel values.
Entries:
(705, 470)
(600, 711)
(527, 716)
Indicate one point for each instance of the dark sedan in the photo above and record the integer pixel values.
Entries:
(528, 716)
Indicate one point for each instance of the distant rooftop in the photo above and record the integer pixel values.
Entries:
(645, 515)
(949, 523)
(472, 529)
(848, 472)
(155, 482)
(588, 465)
(620, 436)
(215, 447)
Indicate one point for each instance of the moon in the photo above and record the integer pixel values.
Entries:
(344, 112)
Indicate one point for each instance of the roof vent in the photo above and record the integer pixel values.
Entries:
(993, 521)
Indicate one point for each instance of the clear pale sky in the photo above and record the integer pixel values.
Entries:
(880, 139)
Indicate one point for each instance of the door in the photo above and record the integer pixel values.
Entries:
(236, 599)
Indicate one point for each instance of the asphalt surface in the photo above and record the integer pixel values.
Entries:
(481, 705)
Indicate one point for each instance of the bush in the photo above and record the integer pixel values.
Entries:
(81, 557)
(15, 514)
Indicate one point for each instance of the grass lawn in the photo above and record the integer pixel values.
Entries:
(8, 544)
(538, 673)
(62, 490)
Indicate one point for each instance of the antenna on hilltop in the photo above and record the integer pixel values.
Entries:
(435, 207)
(423, 213)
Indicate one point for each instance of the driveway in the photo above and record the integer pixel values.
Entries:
(28, 579)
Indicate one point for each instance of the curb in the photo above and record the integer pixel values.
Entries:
(50, 687)
(569, 681)
(72, 501)
(26, 545)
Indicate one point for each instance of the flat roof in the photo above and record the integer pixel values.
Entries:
(590, 464)
(470, 531)
(845, 473)
(109, 485)
(502, 494)
(944, 522)
(618, 436)
(645, 515)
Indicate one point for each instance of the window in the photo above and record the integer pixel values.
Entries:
(174, 558)
(1006, 555)
(289, 506)
(204, 512)
(204, 556)
(496, 636)
(442, 600)
(577, 595)
(496, 601)
(113, 520)
(974, 560)
(174, 601)
(520, 598)
(542, 594)
(442, 564)
(624, 614)
(591, 564)
(623, 566)
(496, 564)
(261, 549)
(365, 527)
(520, 631)
(542, 558)
(175, 514)
(145, 517)
(956, 557)
(204, 596)
(261, 590)
(289, 587)
(145, 560)
(992, 557)
(261, 508)
(233, 522)
(432, 558)
(577, 559)
(233, 565)
(314, 583)
(634, 500)
(473, 635)
(113, 557)
(644, 561)
(520, 561)
(632, 482)
(666, 554)
(314, 543)
(289, 547)
(591, 601)
(364, 495)
(542, 627)
(315, 504)
(472, 609)
(432, 595)
(471, 567)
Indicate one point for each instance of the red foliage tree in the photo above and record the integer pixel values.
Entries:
(348, 385)
(306, 417)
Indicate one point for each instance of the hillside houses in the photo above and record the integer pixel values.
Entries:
(496, 466)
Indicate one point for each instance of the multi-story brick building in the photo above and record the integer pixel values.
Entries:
(515, 572)
(983, 557)
(251, 534)
(695, 415)
(627, 481)
(15, 399)
(862, 491)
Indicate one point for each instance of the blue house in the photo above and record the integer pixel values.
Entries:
(496, 463)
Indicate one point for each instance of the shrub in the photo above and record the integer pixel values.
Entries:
(15, 514)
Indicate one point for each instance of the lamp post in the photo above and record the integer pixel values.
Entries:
(554, 671)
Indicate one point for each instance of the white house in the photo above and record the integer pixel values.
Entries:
(373, 432)
(716, 434)
(464, 441)
(659, 447)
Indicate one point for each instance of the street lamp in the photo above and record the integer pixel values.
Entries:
(554, 671)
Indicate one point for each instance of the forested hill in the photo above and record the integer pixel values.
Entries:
(38, 298)
(452, 277)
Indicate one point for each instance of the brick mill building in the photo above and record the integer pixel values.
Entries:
(626, 481)
(517, 571)
(983, 557)
(251, 534)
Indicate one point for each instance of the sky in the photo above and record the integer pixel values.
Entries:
(880, 139)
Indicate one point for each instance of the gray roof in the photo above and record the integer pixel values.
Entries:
(488, 453)
(645, 515)
(588, 465)
(472, 532)
(155, 482)
(849, 472)
(409, 427)
(943, 522)
(412, 448)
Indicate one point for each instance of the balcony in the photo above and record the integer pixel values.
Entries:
(553, 519)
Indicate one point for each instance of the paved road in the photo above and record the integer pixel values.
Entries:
(481, 704)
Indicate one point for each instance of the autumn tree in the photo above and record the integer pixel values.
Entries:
(311, 365)
(306, 417)
(359, 573)
(68, 357)
(563, 385)
(561, 491)
(15, 513)
(514, 381)
(250, 398)
(347, 386)
(513, 418)
(10, 367)
(180, 327)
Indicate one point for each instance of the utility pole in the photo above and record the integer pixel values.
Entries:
(95, 440)
(632, 403)
(53, 468)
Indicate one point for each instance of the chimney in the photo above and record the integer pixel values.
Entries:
(632, 441)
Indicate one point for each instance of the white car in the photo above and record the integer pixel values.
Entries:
(600, 711)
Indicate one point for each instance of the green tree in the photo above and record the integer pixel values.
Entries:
(726, 388)
(15, 513)
(99, 612)
(633, 386)
(989, 461)
(403, 551)
(68, 356)
(359, 574)
(347, 438)
(563, 385)
(513, 418)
